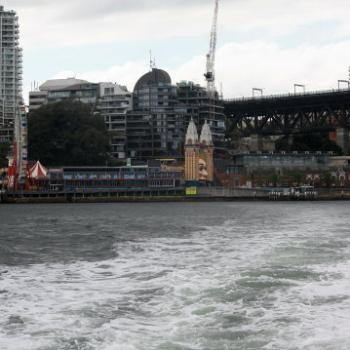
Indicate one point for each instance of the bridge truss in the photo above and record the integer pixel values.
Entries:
(290, 114)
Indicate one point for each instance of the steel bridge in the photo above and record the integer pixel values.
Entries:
(290, 114)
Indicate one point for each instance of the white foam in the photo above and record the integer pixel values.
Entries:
(182, 291)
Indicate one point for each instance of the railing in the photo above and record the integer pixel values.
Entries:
(286, 95)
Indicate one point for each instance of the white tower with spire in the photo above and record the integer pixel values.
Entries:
(206, 135)
(199, 154)
(207, 150)
(191, 152)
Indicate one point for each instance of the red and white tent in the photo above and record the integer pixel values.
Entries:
(37, 172)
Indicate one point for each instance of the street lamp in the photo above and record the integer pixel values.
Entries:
(254, 90)
(296, 86)
(347, 82)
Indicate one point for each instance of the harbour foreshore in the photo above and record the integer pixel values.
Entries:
(214, 194)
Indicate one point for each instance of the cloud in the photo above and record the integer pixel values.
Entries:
(240, 67)
(269, 44)
(46, 23)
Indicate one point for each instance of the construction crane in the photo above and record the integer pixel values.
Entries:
(210, 74)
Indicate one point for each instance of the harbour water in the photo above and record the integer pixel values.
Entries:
(175, 276)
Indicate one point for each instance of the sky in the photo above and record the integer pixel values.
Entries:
(267, 44)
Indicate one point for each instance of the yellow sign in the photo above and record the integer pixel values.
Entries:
(191, 191)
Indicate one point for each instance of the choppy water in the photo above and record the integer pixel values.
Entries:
(209, 276)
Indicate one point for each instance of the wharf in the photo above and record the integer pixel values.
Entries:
(94, 195)
(177, 194)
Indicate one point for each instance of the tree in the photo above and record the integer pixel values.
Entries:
(327, 179)
(312, 142)
(275, 179)
(297, 177)
(67, 133)
(4, 151)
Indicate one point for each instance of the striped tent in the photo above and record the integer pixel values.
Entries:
(37, 172)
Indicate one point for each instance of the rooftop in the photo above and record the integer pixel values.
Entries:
(59, 84)
(154, 77)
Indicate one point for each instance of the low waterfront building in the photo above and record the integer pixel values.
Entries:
(279, 161)
(114, 178)
(289, 169)
(339, 162)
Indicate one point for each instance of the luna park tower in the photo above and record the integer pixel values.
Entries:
(199, 154)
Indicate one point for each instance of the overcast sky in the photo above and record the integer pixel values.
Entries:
(269, 44)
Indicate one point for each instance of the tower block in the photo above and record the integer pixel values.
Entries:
(191, 153)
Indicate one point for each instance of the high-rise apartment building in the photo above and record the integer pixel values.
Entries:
(113, 104)
(156, 125)
(149, 123)
(204, 108)
(108, 100)
(57, 90)
(10, 73)
(162, 111)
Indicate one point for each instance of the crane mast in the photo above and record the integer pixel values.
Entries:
(210, 74)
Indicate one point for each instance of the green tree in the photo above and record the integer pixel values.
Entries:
(67, 133)
(4, 151)
(298, 178)
(327, 179)
(275, 179)
(312, 142)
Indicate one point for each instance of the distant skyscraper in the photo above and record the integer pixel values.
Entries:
(10, 73)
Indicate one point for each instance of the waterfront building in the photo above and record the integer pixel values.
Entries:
(162, 111)
(64, 89)
(37, 99)
(148, 124)
(111, 101)
(300, 161)
(112, 178)
(113, 104)
(202, 107)
(10, 73)
(155, 127)
(6, 131)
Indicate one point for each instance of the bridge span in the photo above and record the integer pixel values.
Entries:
(322, 111)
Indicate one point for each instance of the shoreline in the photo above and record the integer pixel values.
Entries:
(163, 199)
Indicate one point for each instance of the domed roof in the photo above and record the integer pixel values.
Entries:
(206, 135)
(192, 134)
(154, 77)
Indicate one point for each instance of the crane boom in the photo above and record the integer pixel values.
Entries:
(210, 74)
